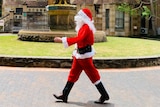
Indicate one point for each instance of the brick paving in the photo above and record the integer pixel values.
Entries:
(33, 87)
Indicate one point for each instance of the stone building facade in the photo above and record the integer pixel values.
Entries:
(20, 14)
(116, 23)
(30, 13)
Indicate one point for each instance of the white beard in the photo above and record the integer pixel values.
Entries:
(78, 26)
(79, 22)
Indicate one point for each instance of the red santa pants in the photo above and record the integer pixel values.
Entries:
(83, 64)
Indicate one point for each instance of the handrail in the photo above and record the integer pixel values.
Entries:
(4, 16)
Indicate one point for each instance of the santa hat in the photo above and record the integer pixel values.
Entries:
(87, 18)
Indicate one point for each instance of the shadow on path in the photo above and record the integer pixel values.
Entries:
(88, 104)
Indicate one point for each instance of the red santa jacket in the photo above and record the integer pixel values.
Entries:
(84, 37)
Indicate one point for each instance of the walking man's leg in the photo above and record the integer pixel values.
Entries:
(72, 78)
(94, 76)
(65, 93)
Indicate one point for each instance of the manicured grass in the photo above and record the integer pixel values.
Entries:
(127, 47)
(114, 47)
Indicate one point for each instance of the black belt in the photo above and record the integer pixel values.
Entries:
(84, 50)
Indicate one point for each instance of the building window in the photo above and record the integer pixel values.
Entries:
(0, 12)
(19, 10)
(107, 18)
(97, 7)
(150, 23)
(119, 20)
(143, 22)
(0, 8)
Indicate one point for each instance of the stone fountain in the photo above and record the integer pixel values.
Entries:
(60, 15)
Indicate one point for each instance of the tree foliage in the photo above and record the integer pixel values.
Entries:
(146, 12)
(125, 7)
(139, 7)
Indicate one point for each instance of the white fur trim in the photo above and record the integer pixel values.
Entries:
(87, 20)
(81, 13)
(97, 82)
(64, 41)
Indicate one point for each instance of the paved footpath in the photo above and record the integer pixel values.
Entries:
(33, 87)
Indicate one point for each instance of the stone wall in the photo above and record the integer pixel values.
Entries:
(101, 63)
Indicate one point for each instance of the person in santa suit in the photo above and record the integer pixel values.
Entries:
(82, 55)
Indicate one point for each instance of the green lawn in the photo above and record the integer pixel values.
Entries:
(114, 47)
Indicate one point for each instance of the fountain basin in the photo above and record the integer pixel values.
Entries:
(61, 9)
(48, 36)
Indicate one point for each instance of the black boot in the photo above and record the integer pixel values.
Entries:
(66, 91)
(103, 92)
